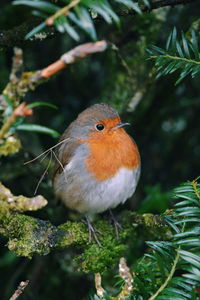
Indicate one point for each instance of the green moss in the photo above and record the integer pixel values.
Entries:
(96, 259)
(72, 232)
(27, 235)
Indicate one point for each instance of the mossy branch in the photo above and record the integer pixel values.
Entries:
(15, 36)
(20, 203)
(29, 236)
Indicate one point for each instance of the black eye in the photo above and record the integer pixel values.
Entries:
(99, 127)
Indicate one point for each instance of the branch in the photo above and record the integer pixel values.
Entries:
(15, 36)
(29, 236)
(30, 80)
(155, 5)
(19, 290)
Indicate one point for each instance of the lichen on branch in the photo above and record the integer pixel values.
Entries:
(21, 203)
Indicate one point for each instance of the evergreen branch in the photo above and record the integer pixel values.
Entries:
(195, 187)
(182, 56)
(156, 5)
(171, 274)
(154, 274)
(171, 57)
(16, 35)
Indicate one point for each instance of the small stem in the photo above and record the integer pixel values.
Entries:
(177, 58)
(20, 110)
(195, 187)
(63, 11)
(6, 126)
(173, 269)
(19, 290)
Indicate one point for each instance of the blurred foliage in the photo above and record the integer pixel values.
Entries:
(164, 119)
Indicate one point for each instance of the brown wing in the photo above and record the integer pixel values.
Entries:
(64, 152)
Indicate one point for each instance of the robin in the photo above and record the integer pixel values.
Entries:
(98, 163)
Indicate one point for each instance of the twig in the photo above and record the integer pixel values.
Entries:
(30, 80)
(44, 173)
(63, 11)
(99, 289)
(19, 290)
(73, 56)
(61, 165)
(125, 274)
(17, 65)
(169, 277)
(21, 110)
(46, 151)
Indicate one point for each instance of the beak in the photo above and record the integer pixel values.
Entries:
(120, 125)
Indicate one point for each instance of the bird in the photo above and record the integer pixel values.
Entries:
(97, 164)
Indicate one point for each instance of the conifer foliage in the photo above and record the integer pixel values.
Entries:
(171, 269)
(182, 56)
(81, 13)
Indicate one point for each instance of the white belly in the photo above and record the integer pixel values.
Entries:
(110, 193)
(88, 196)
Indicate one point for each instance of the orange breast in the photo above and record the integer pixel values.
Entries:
(110, 153)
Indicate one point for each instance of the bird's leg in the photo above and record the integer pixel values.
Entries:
(116, 224)
(92, 231)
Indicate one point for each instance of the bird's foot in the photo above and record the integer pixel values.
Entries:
(92, 231)
(116, 224)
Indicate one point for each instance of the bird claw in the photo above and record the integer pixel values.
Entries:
(92, 231)
(116, 224)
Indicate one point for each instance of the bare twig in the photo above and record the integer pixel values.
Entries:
(100, 291)
(124, 273)
(17, 65)
(61, 165)
(44, 173)
(72, 56)
(46, 151)
(19, 290)
(30, 80)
